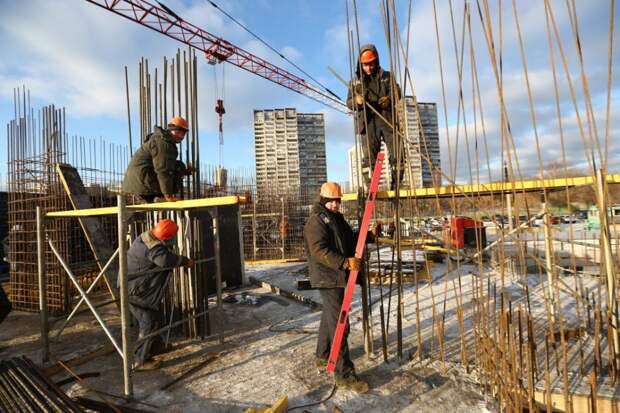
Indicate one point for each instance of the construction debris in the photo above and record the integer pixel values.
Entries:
(23, 387)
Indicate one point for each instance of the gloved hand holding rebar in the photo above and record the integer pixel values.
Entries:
(189, 170)
(376, 229)
(384, 102)
(359, 99)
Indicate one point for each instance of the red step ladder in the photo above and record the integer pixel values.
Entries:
(359, 253)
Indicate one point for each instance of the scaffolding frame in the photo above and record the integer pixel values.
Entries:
(126, 347)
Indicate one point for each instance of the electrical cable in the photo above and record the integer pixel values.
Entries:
(292, 329)
(257, 37)
(329, 396)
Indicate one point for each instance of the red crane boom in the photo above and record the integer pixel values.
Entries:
(165, 21)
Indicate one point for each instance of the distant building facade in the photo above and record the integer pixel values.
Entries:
(354, 157)
(424, 141)
(290, 152)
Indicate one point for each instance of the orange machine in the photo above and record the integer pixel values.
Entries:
(464, 232)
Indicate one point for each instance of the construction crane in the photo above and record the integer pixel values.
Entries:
(163, 20)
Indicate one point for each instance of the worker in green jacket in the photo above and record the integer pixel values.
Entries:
(154, 171)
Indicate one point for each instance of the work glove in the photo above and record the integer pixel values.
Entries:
(170, 198)
(384, 102)
(359, 99)
(354, 264)
(189, 170)
(190, 263)
(376, 229)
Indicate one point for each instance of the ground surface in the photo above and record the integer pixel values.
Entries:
(268, 352)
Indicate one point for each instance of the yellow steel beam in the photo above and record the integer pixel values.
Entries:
(157, 206)
(490, 188)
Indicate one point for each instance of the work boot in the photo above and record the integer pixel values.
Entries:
(149, 365)
(352, 382)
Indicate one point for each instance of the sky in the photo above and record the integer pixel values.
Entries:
(73, 53)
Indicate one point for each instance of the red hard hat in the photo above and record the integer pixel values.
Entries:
(165, 230)
(368, 56)
(178, 122)
(331, 190)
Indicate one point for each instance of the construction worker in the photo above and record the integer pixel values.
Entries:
(154, 171)
(373, 86)
(330, 245)
(5, 304)
(149, 252)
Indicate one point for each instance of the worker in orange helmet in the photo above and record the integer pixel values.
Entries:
(330, 245)
(373, 86)
(154, 171)
(150, 261)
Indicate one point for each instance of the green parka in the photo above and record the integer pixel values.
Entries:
(152, 167)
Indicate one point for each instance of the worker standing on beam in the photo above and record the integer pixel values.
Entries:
(149, 252)
(330, 245)
(154, 171)
(373, 86)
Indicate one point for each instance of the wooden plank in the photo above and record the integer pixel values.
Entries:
(157, 206)
(281, 406)
(92, 227)
(580, 403)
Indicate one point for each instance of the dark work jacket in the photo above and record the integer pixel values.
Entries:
(329, 240)
(152, 167)
(145, 254)
(374, 87)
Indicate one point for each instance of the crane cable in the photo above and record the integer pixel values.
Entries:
(257, 37)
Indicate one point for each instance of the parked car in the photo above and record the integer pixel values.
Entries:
(568, 219)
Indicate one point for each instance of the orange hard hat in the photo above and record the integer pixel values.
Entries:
(331, 190)
(178, 122)
(368, 56)
(165, 229)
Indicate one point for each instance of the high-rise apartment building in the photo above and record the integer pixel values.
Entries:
(424, 142)
(354, 158)
(290, 152)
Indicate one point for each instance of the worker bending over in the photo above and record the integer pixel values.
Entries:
(151, 253)
(330, 245)
(154, 171)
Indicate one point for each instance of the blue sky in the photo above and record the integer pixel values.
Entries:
(72, 53)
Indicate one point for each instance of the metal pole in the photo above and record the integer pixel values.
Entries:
(83, 294)
(509, 210)
(610, 269)
(548, 251)
(218, 272)
(94, 283)
(128, 111)
(122, 275)
(282, 235)
(42, 285)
